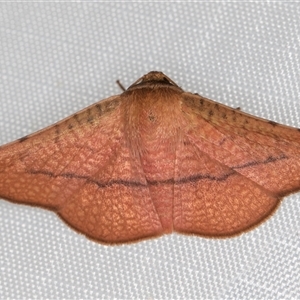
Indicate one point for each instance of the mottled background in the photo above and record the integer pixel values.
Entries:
(58, 58)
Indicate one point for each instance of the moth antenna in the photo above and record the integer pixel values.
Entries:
(120, 85)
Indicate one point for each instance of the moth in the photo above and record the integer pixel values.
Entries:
(153, 160)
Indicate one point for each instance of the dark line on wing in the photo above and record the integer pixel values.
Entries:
(193, 178)
(88, 179)
(270, 159)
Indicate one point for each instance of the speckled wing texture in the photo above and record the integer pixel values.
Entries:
(234, 169)
(83, 169)
(154, 160)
